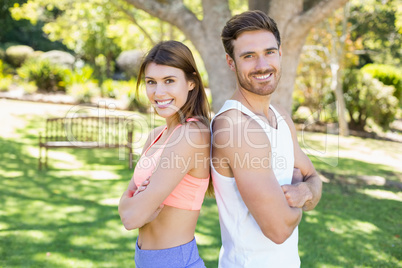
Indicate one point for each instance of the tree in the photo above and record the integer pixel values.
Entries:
(365, 31)
(377, 25)
(96, 30)
(22, 31)
(295, 18)
(337, 56)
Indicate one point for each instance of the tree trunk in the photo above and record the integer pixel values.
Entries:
(337, 56)
(291, 49)
(258, 5)
(340, 103)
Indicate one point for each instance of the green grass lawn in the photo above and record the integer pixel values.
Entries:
(67, 216)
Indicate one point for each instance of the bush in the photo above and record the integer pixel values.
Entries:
(78, 75)
(47, 76)
(28, 87)
(5, 83)
(5, 79)
(126, 90)
(2, 54)
(367, 97)
(388, 75)
(110, 88)
(17, 55)
(83, 92)
(59, 57)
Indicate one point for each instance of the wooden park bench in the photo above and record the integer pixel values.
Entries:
(87, 132)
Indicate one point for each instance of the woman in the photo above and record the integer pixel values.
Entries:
(165, 194)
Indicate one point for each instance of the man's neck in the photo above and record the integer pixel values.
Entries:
(258, 104)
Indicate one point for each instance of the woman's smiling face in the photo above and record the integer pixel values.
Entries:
(167, 88)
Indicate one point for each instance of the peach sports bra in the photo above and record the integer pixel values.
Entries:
(188, 194)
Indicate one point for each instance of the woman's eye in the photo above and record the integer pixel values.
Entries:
(169, 81)
(150, 82)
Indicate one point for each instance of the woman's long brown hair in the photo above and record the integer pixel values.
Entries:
(176, 54)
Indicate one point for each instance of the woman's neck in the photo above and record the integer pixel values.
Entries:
(171, 123)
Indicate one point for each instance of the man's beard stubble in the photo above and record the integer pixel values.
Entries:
(249, 87)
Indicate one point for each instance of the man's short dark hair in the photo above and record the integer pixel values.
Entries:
(252, 20)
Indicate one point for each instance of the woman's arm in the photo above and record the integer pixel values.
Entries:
(180, 156)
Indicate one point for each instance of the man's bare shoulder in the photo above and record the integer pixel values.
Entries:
(230, 118)
(236, 130)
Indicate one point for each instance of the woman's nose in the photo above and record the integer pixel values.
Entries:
(159, 90)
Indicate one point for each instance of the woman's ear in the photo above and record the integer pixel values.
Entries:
(191, 85)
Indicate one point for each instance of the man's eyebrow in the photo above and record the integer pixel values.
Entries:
(252, 52)
(246, 53)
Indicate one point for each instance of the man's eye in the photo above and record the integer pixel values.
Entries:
(248, 56)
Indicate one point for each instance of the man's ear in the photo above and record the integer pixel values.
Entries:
(280, 51)
(230, 62)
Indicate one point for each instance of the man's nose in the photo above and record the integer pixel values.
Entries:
(262, 63)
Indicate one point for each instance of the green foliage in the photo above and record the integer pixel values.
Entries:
(387, 74)
(17, 55)
(138, 101)
(367, 97)
(376, 25)
(83, 92)
(47, 76)
(28, 87)
(110, 88)
(2, 54)
(313, 83)
(125, 90)
(78, 75)
(298, 99)
(21, 32)
(83, 26)
(5, 83)
(6, 79)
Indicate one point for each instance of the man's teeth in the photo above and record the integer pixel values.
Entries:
(263, 76)
(163, 102)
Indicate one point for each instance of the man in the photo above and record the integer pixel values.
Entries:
(254, 153)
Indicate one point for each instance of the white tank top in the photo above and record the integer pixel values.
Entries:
(243, 243)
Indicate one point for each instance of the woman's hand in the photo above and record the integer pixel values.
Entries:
(142, 187)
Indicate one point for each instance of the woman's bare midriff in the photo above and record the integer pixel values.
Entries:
(173, 227)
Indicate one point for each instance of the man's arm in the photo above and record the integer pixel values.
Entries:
(304, 194)
(247, 158)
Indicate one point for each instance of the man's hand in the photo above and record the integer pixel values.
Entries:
(297, 194)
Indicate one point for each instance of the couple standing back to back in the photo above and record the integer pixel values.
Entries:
(254, 151)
